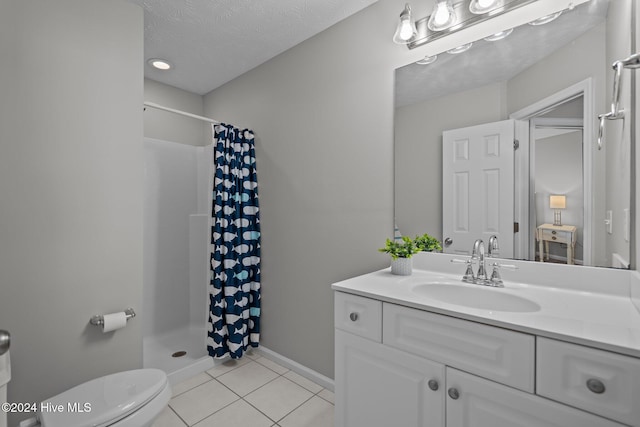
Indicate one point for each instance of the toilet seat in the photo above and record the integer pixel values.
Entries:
(111, 398)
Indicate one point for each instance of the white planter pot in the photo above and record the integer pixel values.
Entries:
(402, 266)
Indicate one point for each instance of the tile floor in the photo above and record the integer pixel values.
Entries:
(253, 391)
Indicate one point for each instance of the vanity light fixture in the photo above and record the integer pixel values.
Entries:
(442, 17)
(427, 60)
(406, 29)
(479, 7)
(545, 19)
(449, 17)
(159, 64)
(460, 49)
(499, 36)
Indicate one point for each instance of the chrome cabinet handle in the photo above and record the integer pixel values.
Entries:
(433, 385)
(453, 393)
(596, 386)
(353, 316)
(5, 341)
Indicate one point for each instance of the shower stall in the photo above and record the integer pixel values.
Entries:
(177, 200)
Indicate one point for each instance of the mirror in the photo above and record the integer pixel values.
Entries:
(550, 82)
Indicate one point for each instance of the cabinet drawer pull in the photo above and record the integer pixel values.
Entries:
(553, 238)
(553, 232)
(453, 393)
(353, 316)
(596, 386)
(433, 385)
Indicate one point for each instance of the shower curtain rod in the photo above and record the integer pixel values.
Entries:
(183, 113)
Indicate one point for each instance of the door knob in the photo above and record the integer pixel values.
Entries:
(5, 341)
(448, 241)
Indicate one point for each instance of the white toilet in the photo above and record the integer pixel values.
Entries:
(124, 399)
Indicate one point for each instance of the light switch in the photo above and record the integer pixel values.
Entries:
(608, 221)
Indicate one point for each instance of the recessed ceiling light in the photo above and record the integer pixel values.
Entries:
(160, 64)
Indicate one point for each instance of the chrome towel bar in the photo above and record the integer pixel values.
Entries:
(616, 112)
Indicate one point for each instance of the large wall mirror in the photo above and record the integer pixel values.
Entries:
(502, 140)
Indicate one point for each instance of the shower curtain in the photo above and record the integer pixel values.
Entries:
(234, 289)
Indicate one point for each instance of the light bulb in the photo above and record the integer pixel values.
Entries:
(484, 6)
(442, 14)
(427, 60)
(545, 19)
(442, 17)
(460, 49)
(499, 36)
(406, 29)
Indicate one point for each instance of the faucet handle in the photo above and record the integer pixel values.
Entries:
(496, 280)
(468, 274)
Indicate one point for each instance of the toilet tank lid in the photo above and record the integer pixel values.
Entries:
(102, 401)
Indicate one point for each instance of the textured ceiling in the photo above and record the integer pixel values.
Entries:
(492, 62)
(210, 42)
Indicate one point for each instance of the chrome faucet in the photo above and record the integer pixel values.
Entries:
(493, 248)
(478, 252)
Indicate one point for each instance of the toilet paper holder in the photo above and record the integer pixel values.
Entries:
(98, 319)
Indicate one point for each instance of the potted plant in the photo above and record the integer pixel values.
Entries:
(427, 243)
(401, 252)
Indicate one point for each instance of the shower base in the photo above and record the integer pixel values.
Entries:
(159, 350)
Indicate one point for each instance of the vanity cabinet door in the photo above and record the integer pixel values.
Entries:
(376, 385)
(475, 402)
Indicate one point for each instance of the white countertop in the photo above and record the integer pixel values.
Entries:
(584, 305)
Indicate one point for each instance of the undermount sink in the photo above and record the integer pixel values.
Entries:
(481, 297)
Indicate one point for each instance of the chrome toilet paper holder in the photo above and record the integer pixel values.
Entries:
(98, 319)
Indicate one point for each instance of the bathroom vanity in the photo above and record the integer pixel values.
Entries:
(562, 349)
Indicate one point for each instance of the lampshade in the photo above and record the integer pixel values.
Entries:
(557, 202)
(406, 29)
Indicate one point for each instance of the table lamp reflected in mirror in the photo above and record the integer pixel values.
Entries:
(557, 202)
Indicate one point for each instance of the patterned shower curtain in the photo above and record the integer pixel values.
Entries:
(234, 290)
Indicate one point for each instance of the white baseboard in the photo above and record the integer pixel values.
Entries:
(296, 367)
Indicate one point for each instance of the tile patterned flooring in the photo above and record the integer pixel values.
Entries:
(253, 391)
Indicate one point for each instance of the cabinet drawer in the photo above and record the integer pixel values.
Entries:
(556, 236)
(490, 352)
(484, 403)
(595, 380)
(358, 315)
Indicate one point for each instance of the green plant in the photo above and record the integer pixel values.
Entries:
(427, 243)
(404, 248)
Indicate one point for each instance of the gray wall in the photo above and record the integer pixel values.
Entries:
(167, 126)
(71, 189)
(323, 117)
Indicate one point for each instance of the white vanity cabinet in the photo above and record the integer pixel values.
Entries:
(403, 367)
